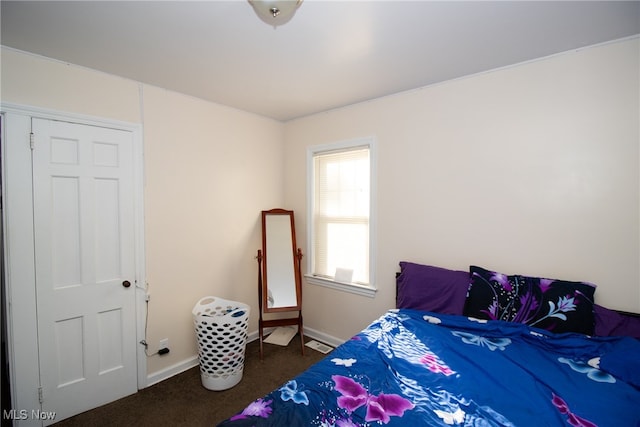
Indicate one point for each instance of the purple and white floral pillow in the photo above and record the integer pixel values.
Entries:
(555, 305)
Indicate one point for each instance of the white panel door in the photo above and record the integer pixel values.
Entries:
(85, 264)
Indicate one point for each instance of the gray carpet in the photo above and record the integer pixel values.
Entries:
(183, 401)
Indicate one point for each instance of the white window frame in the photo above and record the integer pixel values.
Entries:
(354, 288)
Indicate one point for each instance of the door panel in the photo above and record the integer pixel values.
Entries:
(65, 232)
(85, 249)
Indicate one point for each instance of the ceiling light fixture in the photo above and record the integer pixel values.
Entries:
(275, 12)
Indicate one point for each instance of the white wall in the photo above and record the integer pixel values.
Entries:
(532, 169)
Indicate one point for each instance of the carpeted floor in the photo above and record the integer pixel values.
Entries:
(183, 401)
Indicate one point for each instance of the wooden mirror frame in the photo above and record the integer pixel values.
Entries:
(296, 258)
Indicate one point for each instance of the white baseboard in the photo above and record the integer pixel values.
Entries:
(193, 361)
(172, 370)
(308, 332)
(252, 336)
(322, 337)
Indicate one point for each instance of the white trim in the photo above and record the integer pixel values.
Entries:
(65, 116)
(370, 142)
(308, 333)
(19, 250)
(140, 251)
(22, 339)
(325, 338)
(172, 370)
(193, 362)
(352, 288)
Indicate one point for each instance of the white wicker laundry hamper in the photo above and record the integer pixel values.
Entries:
(221, 329)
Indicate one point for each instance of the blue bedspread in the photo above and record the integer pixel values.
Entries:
(415, 368)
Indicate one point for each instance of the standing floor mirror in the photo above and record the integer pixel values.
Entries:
(279, 278)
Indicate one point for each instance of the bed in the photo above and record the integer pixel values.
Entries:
(472, 348)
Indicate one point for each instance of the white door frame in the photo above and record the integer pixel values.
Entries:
(19, 248)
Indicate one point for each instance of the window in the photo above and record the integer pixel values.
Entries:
(340, 220)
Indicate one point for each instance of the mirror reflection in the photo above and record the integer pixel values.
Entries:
(279, 262)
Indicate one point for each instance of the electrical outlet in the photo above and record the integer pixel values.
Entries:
(164, 343)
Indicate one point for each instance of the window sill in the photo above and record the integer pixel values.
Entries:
(352, 288)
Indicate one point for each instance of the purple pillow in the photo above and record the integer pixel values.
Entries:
(611, 323)
(424, 287)
(555, 305)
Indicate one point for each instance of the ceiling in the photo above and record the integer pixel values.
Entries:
(331, 54)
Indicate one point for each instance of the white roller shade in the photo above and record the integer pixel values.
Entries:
(341, 213)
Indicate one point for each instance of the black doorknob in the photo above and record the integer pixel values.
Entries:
(126, 283)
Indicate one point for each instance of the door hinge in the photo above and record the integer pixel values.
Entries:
(40, 398)
(31, 140)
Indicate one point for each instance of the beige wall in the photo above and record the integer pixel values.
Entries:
(533, 169)
(209, 171)
(36, 81)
